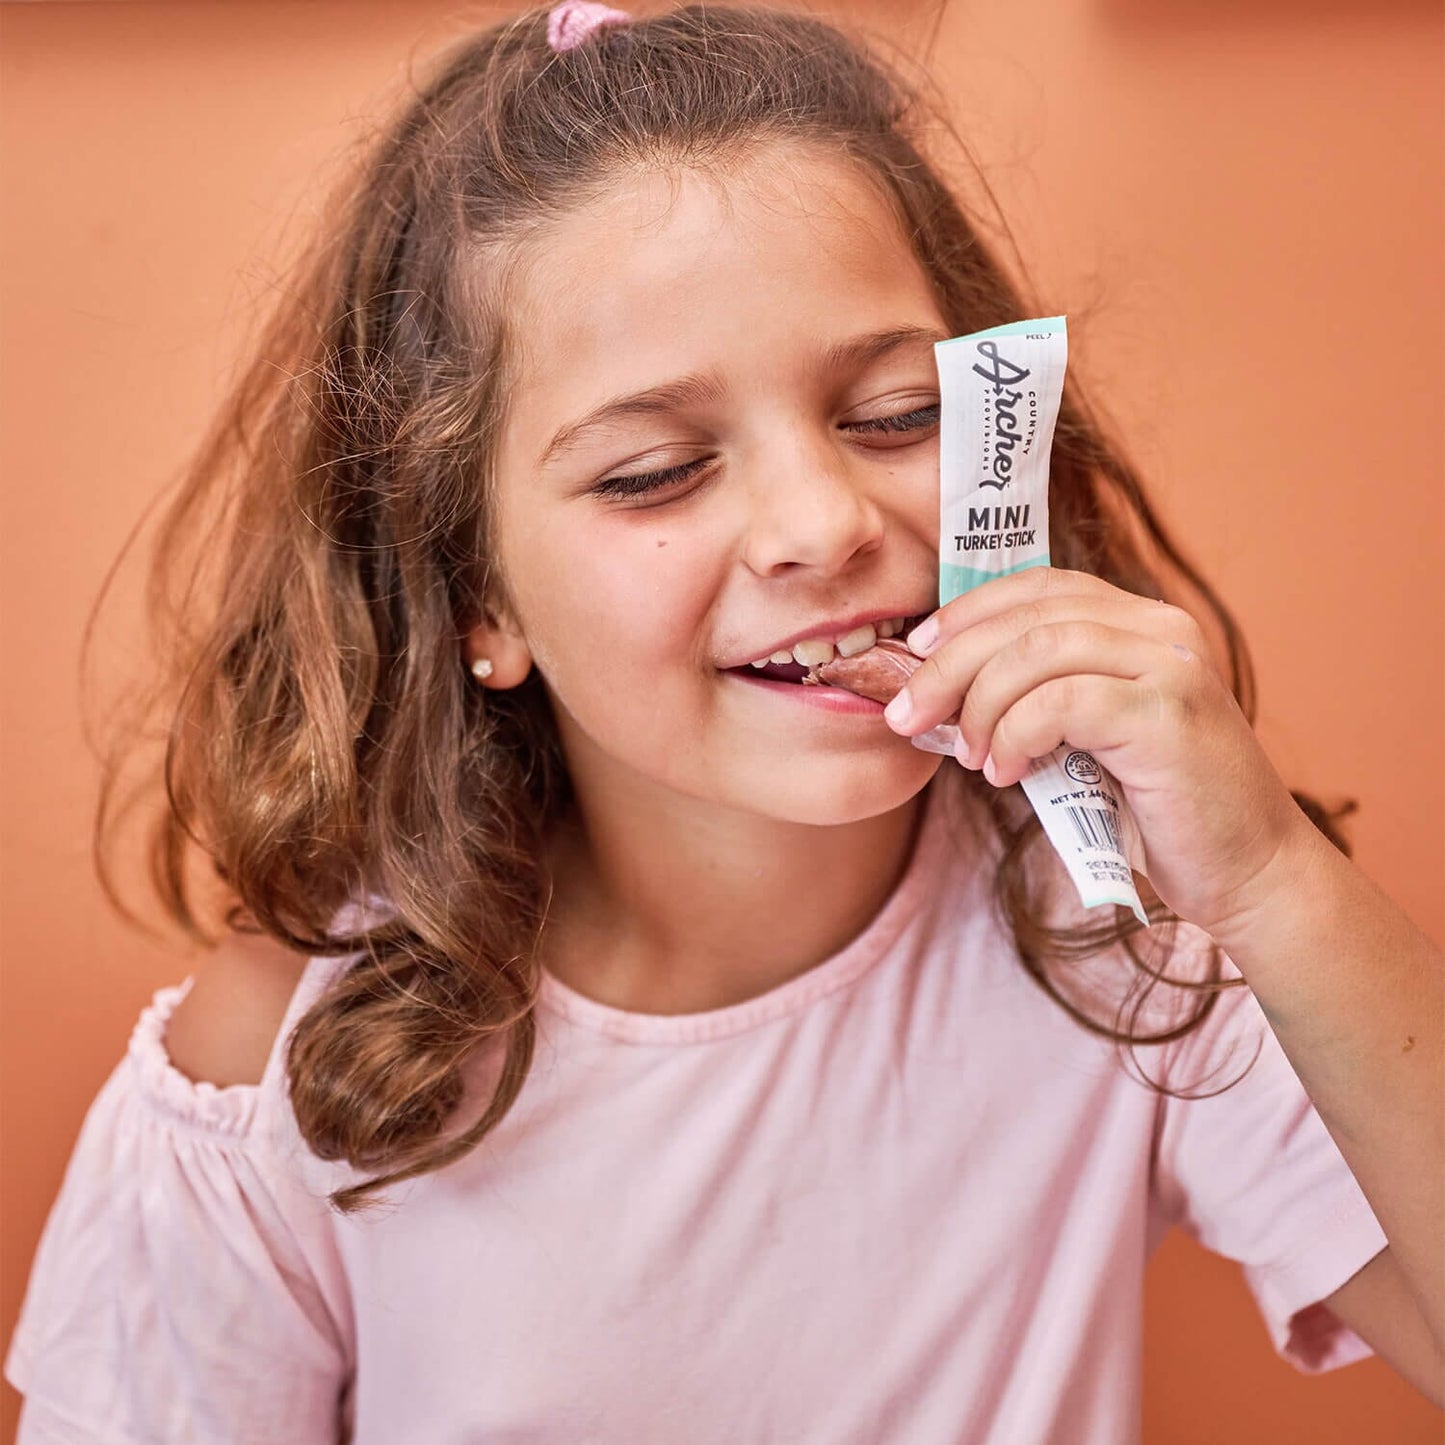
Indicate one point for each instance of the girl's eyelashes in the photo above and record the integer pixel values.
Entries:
(916, 420)
(640, 483)
(643, 482)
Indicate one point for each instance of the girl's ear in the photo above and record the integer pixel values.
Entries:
(496, 653)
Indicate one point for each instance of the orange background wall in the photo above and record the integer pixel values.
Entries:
(1246, 198)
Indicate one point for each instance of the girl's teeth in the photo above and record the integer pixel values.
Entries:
(812, 653)
(859, 640)
(815, 651)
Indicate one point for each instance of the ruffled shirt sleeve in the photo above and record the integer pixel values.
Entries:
(1253, 1175)
(186, 1286)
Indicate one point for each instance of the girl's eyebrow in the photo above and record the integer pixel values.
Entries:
(692, 390)
(702, 387)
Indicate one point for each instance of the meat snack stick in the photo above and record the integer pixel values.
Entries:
(877, 673)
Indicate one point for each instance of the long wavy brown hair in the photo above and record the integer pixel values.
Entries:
(329, 546)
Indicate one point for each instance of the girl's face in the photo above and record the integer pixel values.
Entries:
(722, 442)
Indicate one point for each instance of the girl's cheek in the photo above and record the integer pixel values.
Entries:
(674, 561)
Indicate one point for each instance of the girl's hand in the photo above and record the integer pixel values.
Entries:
(1045, 657)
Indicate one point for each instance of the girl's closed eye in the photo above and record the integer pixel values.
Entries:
(641, 483)
(919, 419)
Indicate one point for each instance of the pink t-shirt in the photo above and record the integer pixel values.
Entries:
(901, 1197)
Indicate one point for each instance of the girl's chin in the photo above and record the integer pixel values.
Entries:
(853, 802)
(821, 786)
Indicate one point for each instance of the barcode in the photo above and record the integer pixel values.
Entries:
(1095, 828)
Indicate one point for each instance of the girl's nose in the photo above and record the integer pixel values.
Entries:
(807, 509)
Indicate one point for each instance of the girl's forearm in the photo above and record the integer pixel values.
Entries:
(1355, 993)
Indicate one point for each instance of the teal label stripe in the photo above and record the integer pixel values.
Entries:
(954, 581)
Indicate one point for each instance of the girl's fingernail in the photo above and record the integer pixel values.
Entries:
(990, 770)
(898, 710)
(922, 637)
(941, 740)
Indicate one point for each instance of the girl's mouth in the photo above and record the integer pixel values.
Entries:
(773, 672)
(793, 671)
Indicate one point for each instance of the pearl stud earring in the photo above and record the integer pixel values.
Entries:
(482, 668)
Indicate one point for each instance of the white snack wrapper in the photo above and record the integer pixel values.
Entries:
(1000, 399)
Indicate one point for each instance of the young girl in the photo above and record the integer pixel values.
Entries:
(616, 1041)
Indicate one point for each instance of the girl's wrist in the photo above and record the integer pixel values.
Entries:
(1286, 900)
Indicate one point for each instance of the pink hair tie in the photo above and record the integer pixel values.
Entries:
(571, 22)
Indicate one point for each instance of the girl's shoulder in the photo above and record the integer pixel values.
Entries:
(223, 1031)
(209, 1052)
(188, 1262)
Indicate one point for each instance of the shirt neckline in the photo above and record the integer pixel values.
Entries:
(834, 972)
